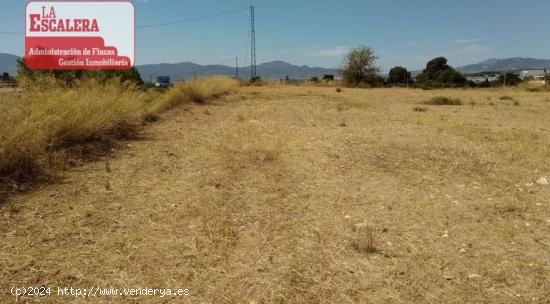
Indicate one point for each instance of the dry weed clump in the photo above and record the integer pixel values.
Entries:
(443, 101)
(48, 116)
(366, 239)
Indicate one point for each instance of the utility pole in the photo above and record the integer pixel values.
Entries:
(545, 79)
(236, 67)
(252, 44)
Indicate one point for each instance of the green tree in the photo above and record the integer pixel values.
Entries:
(399, 75)
(328, 77)
(439, 74)
(360, 68)
(450, 78)
(510, 79)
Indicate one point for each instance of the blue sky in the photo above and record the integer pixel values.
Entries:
(317, 33)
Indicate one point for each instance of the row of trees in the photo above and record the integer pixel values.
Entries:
(360, 70)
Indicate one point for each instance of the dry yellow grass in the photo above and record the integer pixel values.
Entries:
(46, 116)
(198, 91)
(305, 195)
(33, 122)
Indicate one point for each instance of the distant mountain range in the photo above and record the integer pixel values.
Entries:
(281, 69)
(8, 63)
(508, 65)
(268, 70)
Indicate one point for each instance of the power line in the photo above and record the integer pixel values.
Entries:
(145, 26)
(225, 61)
(11, 33)
(192, 19)
(197, 71)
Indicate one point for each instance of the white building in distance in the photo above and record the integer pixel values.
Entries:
(537, 75)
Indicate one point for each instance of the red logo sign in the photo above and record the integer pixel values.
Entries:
(80, 35)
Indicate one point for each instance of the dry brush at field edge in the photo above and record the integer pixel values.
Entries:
(47, 125)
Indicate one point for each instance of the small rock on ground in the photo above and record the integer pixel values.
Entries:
(543, 181)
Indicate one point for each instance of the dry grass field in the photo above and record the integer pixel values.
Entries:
(303, 195)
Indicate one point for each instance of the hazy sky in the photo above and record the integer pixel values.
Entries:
(317, 33)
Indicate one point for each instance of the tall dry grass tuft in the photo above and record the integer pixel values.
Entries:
(47, 116)
(198, 91)
(202, 90)
(39, 120)
(532, 86)
(366, 240)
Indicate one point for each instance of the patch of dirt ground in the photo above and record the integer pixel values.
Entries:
(302, 195)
